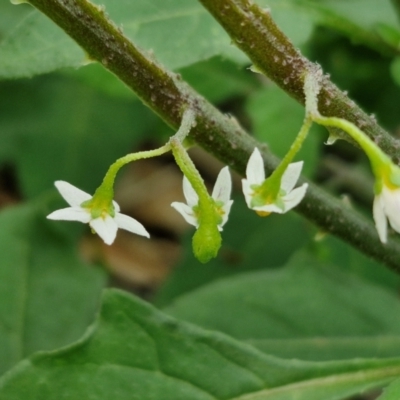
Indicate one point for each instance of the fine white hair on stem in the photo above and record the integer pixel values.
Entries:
(187, 123)
(312, 87)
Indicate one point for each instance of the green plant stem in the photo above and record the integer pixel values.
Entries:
(254, 31)
(106, 189)
(282, 167)
(167, 95)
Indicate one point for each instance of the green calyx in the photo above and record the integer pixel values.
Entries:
(99, 206)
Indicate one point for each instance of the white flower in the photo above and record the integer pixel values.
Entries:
(221, 195)
(287, 197)
(106, 226)
(387, 207)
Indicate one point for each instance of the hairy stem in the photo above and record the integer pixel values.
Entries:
(254, 31)
(167, 95)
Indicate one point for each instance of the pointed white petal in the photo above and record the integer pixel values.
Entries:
(117, 208)
(390, 203)
(247, 191)
(255, 173)
(292, 199)
(106, 228)
(226, 209)
(190, 195)
(380, 218)
(71, 214)
(130, 224)
(269, 208)
(186, 212)
(291, 176)
(223, 186)
(72, 195)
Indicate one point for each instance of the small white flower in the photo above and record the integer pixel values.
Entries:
(221, 195)
(387, 207)
(106, 226)
(287, 198)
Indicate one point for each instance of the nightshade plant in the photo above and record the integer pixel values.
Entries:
(276, 308)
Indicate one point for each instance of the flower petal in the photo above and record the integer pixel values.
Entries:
(130, 224)
(291, 176)
(380, 218)
(292, 199)
(255, 173)
(71, 214)
(117, 208)
(106, 228)
(71, 194)
(190, 195)
(270, 208)
(247, 191)
(186, 212)
(226, 208)
(390, 203)
(223, 186)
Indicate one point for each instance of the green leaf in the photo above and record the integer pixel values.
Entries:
(360, 20)
(277, 119)
(219, 79)
(136, 352)
(336, 252)
(325, 349)
(35, 45)
(76, 130)
(191, 33)
(247, 238)
(48, 296)
(305, 299)
(392, 392)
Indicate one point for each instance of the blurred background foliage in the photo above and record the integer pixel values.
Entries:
(277, 283)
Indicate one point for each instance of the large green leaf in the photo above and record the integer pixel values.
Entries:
(190, 32)
(305, 299)
(325, 349)
(180, 32)
(360, 20)
(392, 392)
(247, 239)
(56, 128)
(48, 296)
(136, 352)
(336, 252)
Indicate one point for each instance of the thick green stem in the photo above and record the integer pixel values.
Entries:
(166, 94)
(254, 31)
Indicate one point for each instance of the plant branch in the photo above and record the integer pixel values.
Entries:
(254, 31)
(167, 95)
